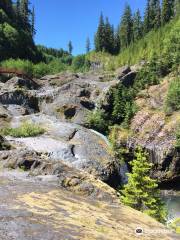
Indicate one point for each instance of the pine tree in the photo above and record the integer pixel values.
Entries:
(25, 13)
(99, 40)
(33, 31)
(109, 37)
(157, 14)
(70, 47)
(137, 26)
(147, 26)
(152, 18)
(6, 5)
(126, 27)
(88, 45)
(116, 42)
(177, 8)
(167, 10)
(141, 191)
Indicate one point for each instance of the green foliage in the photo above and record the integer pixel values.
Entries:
(124, 107)
(126, 28)
(25, 130)
(178, 138)
(167, 10)
(175, 225)
(97, 120)
(141, 191)
(80, 63)
(16, 31)
(24, 65)
(172, 102)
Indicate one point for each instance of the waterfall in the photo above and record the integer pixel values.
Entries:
(123, 168)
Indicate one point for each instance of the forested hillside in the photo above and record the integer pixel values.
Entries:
(17, 31)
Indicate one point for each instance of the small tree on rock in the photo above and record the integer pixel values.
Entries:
(141, 192)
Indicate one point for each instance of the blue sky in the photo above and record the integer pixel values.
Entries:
(58, 21)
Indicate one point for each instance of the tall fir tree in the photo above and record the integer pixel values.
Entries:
(99, 40)
(33, 31)
(117, 45)
(147, 26)
(109, 37)
(157, 14)
(167, 10)
(6, 5)
(141, 192)
(88, 45)
(177, 8)
(70, 47)
(152, 18)
(137, 26)
(25, 13)
(126, 27)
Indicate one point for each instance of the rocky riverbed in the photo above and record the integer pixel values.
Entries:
(58, 185)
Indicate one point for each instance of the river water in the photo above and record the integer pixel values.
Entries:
(173, 206)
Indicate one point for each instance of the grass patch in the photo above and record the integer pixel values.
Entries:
(25, 130)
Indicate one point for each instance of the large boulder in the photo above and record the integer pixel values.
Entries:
(34, 208)
(72, 144)
(20, 97)
(17, 82)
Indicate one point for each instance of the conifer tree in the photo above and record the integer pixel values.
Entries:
(116, 42)
(152, 18)
(6, 5)
(126, 27)
(88, 45)
(33, 32)
(137, 26)
(100, 35)
(156, 14)
(167, 10)
(109, 37)
(177, 7)
(70, 47)
(147, 26)
(141, 192)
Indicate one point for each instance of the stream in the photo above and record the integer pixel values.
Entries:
(173, 206)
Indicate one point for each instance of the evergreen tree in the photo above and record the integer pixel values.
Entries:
(156, 13)
(70, 47)
(141, 191)
(25, 13)
(126, 27)
(100, 35)
(152, 17)
(177, 7)
(109, 37)
(147, 26)
(137, 26)
(88, 45)
(116, 42)
(167, 10)
(7, 7)
(33, 31)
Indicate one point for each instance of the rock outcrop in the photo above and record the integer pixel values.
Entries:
(156, 133)
(35, 208)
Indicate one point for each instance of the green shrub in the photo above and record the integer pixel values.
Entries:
(172, 102)
(23, 65)
(25, 130)
(97, 120)
(178, 138)
(80, 63)
(40, 70)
